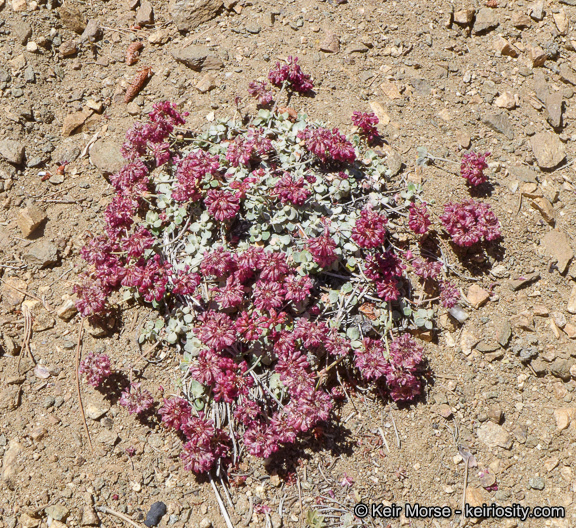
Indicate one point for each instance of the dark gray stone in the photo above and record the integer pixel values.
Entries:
(499, 123)
(155, 514)
(42, 254)
(198, 58)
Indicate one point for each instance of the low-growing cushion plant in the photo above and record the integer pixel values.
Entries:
(277, 252)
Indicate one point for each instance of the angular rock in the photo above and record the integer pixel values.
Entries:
(463, 138)
(545, 207)
(561, 21)
(485, 21)
(572, 301)
(330, 44)
(556, 244)
(537, 10)
(19, 5)
(564, 417)
(10, 465)
(12, 295)
(68, 48)
(494, 435)
(523, 173)
(74, 121)
(12, 151)
(207, 83)
(475, 497)
(72, 17)
(67, 310)
(554, 106)
(464, 17)
(22, 31)
(92, 32)
(145, 14)
(94, 411)
(548, 150)
(567, 73)
(42, 321)
(357, 48)
(561, 368)
(58, 512)
(155, 514)
(477, 296)
(538, 56)
(105, 155)
(198, 58)
(89, 517)
(189, 14)
(380, 111)
(499, 123)
(27, 521)
(29, 219)
(504, 334)
(504, 47)
(506, 100)
(521, 20)
(525, 280)
(42, 254)
(522, 321)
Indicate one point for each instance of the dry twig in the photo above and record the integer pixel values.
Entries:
(110, 511)
(77, 364)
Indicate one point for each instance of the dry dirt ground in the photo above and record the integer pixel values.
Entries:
(443, 76)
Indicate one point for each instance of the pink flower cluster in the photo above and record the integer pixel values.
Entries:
(291, 190)
(292, 74)
(260, 91)
(244, 148)
(328, 145)
(400, 368)
(470, 222)
(150, 138)
(135, 399)
(366, 122)
(473, 166)
(369, 230)
(96, 368)
(385, 269)
(419, 218)
(191, 172)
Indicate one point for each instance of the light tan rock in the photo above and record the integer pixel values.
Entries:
(29, 219)
(561, 21)
(477, 296)
(74, 121)
(506, 100)
(391, 90)
(207, 83)
(380, 111)
(494, 435)
(545, 207)
(504, 47)
(464, 17)
(19, 5)
(572, 301)
(564, 417)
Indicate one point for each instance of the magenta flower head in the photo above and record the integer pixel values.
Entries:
(473, 166)
(369, 230)
(419, 219)
(293, 74)
(96, 368)
(135, 399)
(260, 91)
(449, 294)
(175, 412)
(470, 222)
(366, 122)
